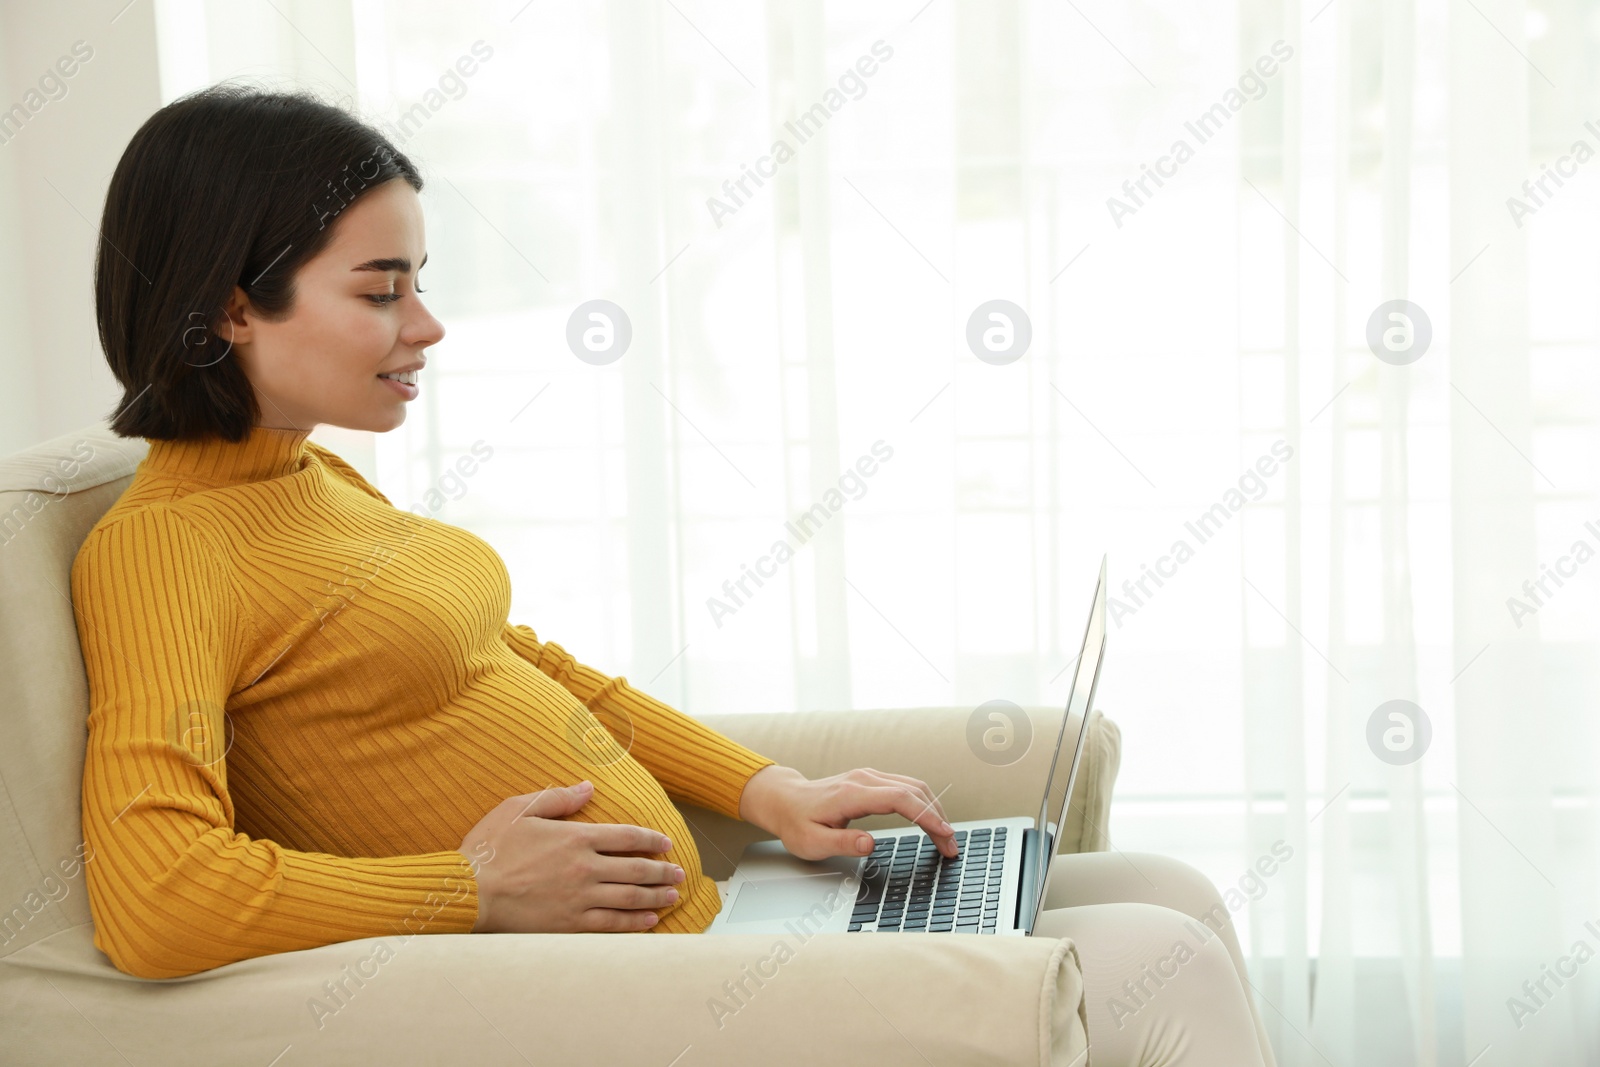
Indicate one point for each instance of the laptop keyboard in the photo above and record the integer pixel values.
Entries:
(909, 886)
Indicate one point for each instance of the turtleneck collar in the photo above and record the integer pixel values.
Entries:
(267, 452)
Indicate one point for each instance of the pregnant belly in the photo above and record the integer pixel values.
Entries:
(625, 792)
(552, 740)
(419, 785)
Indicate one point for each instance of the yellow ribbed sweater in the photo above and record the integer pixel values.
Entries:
(302, 698)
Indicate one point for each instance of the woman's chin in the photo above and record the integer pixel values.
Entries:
(374, 421)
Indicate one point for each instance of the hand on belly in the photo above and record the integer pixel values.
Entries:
(540, 872)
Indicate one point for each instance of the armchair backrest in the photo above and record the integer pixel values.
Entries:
(51, 495)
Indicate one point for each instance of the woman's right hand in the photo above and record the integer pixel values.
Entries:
(540, 874)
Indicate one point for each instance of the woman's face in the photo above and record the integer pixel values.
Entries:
(356, 315)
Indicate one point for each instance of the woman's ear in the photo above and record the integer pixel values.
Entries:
(237, 326)
(209, 339)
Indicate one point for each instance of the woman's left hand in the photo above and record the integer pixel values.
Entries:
(811, 818)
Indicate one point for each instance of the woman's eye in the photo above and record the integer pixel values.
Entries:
(383, 298)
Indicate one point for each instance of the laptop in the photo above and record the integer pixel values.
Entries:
(996, 883)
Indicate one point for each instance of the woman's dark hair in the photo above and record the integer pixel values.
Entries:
(229, 185)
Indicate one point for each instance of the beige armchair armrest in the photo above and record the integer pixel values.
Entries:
(518, 999)
(926, 743)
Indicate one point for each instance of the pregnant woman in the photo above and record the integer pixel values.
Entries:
(311, 720)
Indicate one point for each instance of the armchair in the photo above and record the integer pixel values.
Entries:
(502, 998)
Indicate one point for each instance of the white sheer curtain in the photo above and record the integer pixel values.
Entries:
(1310, 526)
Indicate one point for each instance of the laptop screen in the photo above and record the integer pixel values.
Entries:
(1085, 681)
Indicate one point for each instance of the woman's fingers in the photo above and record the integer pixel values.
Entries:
(611, 921)
(901, 799)
(625, 897)
(623, 837)
(913, 783)
(925, 810)
(636, 870)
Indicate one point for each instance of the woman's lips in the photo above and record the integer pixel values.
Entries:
(408, 391)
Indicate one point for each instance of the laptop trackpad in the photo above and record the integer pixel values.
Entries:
(783, 898)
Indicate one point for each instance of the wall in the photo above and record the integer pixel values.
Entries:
(53, 176)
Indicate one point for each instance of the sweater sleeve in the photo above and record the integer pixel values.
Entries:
(172, 888)
(692, 762)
